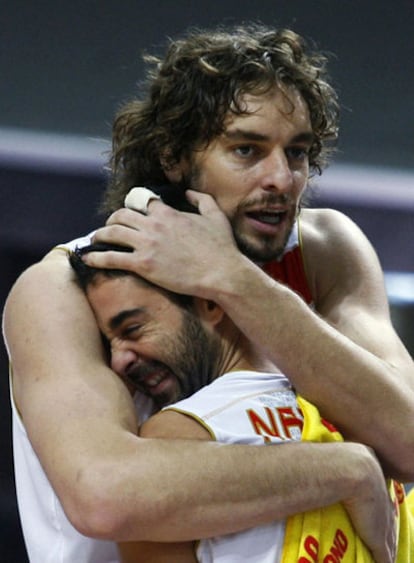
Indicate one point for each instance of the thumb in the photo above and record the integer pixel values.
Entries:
(205, 203)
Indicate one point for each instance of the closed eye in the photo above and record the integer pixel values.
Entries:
(130, 331)
(126, 320)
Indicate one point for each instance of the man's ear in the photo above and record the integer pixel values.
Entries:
(174, 172)
(208, 311)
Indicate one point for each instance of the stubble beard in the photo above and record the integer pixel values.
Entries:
(194, 359)
(264, 248)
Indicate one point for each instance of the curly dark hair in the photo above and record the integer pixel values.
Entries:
(203, 76)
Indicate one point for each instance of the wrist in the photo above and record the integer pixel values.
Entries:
(234, 279)
(364, 470)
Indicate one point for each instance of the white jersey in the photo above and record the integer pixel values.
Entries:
(48, 534)
(246, 408)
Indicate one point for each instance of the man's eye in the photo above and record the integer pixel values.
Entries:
(245, 150)
(298, 153)
(129, 331)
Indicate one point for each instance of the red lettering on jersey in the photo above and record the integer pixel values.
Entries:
(262, 427)
(399, 492)
(289, 419)
(279, 422)
(338, 549)
(328, 425)
(341, 541)
(311, 546)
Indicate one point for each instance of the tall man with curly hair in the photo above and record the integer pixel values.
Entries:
(240, 119)
(202, 80)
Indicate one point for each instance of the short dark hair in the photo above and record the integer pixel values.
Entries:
(203, 76)
(87, 275)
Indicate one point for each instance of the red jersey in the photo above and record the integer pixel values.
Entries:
(290, 269)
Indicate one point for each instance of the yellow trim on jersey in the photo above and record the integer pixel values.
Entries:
(196, 418)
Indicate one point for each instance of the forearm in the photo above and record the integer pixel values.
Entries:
(113, 484)
(352, 353)
(184, 490)
(349, 384)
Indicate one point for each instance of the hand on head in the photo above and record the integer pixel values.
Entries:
(166, 243)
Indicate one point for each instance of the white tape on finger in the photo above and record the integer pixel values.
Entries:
(138, 199)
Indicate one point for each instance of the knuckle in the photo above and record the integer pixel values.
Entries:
(115, 216)
(115, 230)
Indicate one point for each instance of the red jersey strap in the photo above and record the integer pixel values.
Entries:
(290, 269)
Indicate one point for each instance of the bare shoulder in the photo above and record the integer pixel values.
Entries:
(170, 424)
(337, 254)
(321, 227)
(47, 323)
(43, 292)
(52, 269)
(31, 293)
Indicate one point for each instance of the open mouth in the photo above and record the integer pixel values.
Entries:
(148, 377)
(267, 217)
(153, 379)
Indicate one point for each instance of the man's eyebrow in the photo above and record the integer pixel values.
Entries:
(244, 134)
(119, 318)
(247, 135)
(307, 137)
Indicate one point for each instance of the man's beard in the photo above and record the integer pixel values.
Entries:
(198, 355)
(264, 248)
(192, 358)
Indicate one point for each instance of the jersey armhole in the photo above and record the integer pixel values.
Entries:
(196, 418)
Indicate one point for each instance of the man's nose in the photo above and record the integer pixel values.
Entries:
(277, 174)
(121, 358)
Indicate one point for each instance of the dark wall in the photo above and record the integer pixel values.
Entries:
(65, 66)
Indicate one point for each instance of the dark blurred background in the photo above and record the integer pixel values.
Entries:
(66, 66)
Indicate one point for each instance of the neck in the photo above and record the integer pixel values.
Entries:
(239, 354)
